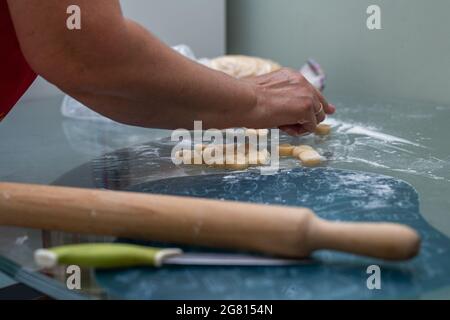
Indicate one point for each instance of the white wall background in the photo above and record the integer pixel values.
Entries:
(197, 23)
(409, 58)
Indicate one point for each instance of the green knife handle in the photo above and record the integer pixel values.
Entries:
(103, 255)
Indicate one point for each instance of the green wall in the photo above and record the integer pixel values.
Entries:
(409, 58)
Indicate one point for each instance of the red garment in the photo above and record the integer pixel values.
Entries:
(15, 74)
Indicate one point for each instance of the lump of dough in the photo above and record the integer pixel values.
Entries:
(236, 166)
(251, 132)
(310, 158)
(323, 129)
(263, 132)
(243, 66)
(210, 157)
(300, 149)
(253, 157)
(215, 155)
(199, 147)
(285, 150)
(263, 157)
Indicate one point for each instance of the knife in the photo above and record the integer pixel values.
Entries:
(115, 255)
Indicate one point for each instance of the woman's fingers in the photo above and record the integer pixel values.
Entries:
(309, 120)
(286, 99)
(327, 108)
(307, 112)
(310, 124)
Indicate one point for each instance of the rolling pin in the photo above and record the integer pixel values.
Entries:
(276, 230)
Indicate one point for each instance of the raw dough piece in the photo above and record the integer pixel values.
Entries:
(263, 157)
(209, 155)
(300, 149)
(251, 132)
(253, 157)
(199, 147)
(323, 129)
(243, 66)
(237, 166)
(213, 148)
(263, 132)
(310, 158)
(205, 154)
(237, 162)
(285, 150)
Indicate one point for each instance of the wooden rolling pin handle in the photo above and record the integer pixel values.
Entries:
(387, 241)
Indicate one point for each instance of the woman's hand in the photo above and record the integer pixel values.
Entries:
(285, 99)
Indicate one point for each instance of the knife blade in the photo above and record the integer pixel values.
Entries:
(117, 255)
(240, 260)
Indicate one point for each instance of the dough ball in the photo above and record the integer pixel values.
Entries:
(214, 154)
(252, 156)
(300, 149)
(285, 150)
(251, 132)
(199, 148)
(323, 129)
(237, 166)
(263, 132)
(179, 155)
(310, 158)
(263, 157)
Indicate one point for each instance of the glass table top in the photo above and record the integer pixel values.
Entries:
(405, 140)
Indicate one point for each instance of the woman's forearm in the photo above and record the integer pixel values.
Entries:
(122, 71)
(150, 85)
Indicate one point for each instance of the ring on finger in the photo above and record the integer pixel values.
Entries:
(318, 113)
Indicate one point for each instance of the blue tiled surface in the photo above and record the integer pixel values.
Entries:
(333, 194)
